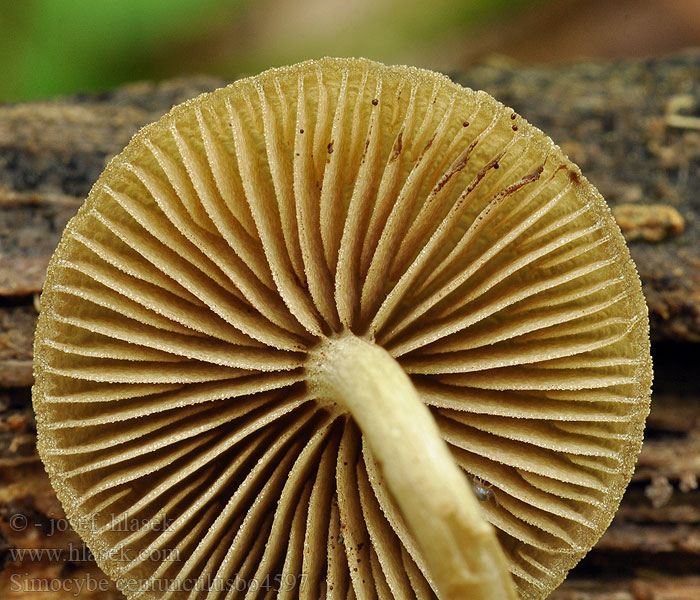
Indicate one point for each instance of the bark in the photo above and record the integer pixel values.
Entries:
(632, 126)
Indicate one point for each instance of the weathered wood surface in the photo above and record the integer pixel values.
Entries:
(634, 127)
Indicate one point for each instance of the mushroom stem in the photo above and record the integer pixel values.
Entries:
(435, 498)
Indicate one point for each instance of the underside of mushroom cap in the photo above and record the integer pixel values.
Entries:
(235, 237)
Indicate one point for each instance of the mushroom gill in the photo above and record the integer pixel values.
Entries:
(280, 298)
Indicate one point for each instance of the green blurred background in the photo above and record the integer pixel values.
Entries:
(56, 47)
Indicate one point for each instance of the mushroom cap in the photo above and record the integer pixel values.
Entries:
(234, 235)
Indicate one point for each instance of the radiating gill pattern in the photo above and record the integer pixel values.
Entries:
(250, 223)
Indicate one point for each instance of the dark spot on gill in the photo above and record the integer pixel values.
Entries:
(445, 178)
(574, 177)
(511, 189)
(375, 102)
(427, 146)
(440, 185)
(460, 165)
(398, 145)
(330, 147)
(482, 172)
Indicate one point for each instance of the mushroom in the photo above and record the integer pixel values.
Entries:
(341, 330)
